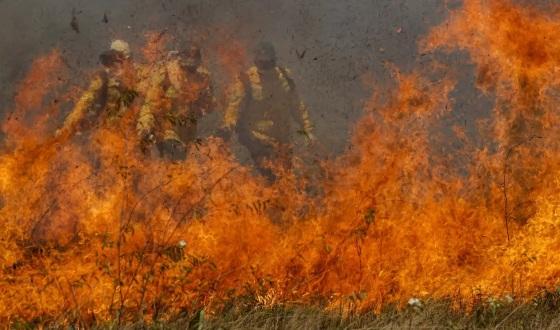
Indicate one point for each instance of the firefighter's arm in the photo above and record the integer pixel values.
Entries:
(235, 96)
(80, 109)
(145, 123)
(299, 110)
(146, 120)
(304, 120)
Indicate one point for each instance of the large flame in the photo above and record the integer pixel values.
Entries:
(92, 229)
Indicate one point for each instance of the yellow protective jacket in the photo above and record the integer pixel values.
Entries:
(105, 100)
(261, 105)
(174, 102)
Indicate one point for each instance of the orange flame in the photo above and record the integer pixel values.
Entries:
(29, 108)
(85, 240)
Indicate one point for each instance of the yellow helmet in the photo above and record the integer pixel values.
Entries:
(121, 46)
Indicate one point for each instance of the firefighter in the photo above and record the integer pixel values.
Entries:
(109, 95)
(180, 94)
(262, 103)
(104, 104)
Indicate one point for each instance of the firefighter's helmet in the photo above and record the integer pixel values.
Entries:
(265, 55)
(191, 56)
(121, 46)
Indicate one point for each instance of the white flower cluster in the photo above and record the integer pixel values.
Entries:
(415, 302)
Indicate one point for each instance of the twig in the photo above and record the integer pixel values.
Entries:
(508, 316)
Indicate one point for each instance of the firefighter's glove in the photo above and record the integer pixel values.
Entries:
(147, 139)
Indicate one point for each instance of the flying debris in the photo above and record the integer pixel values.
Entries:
(74, 23)
(301, 54)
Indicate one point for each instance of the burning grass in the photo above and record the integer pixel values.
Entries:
(92, 231)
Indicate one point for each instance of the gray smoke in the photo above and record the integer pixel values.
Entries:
(329, 45)
(342, 40)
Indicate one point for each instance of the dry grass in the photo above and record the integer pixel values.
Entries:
(434, 316)
(541, 313)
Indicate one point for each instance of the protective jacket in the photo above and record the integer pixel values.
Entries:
(105, 101)
(262, 105)
(175, 100)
